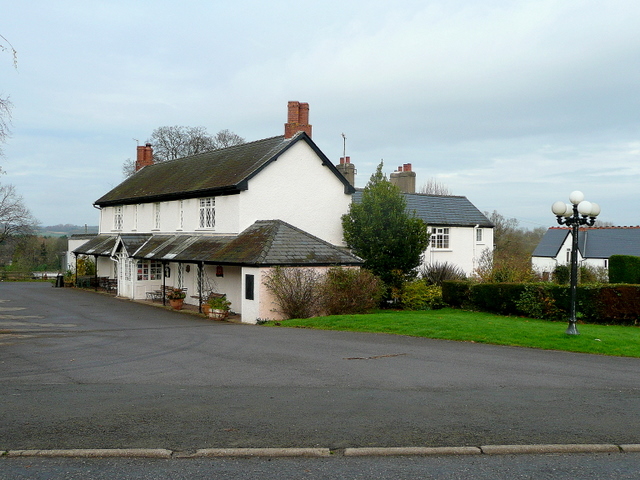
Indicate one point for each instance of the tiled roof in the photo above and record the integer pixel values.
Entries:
(265, 243)
(598, 242)
(551, 242)
(218, 172)
(455, 211)
(100, 245)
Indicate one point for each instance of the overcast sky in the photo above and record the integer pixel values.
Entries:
(513, 104)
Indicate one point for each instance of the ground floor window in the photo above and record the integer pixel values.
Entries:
(149, 270)
(249, 287)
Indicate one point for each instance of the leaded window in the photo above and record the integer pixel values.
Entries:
(207, 212)
(117, 218)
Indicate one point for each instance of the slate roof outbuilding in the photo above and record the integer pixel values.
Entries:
(598, 242)
(442, 210)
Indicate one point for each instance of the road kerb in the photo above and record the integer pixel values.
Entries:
(630, 448)
(95, 452)
(391, 451)
(548, 448)
(262, 452)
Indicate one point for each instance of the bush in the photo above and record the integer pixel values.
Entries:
(350, 291)
(497, 297)
(417, 295)
(624, 269)
(562, 274)
(436, 273)
(306, 292)
(297, 291)
(456, 293)
(538, 301)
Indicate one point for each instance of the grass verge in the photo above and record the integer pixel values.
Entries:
(461, 325)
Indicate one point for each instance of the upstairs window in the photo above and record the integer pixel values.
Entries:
(117, 218)
(439, 238)
(156, 216)
(478, 235)
(207, 212)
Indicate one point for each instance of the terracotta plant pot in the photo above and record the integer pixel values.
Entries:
(176, 304)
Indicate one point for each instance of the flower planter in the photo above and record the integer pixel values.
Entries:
(176, 304)
(218, 314)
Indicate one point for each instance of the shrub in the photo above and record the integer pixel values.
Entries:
(624, 269)
(497, 297)
(456, 293)
(436, 273)
(538, 301)
(562, 274)
(350, 291)
(85, 266)
(417, 295)
(297, 291)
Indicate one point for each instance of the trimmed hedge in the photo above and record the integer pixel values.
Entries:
(624, 269)
(604, 304)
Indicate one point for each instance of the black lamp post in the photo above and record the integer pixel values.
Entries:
(579, 212)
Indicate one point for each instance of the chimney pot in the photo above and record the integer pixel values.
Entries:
(144, 156)
(297, 119)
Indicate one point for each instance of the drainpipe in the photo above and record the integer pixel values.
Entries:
(200, 269)
(164, 285)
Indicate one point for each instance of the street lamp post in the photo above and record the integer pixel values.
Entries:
(579, 212)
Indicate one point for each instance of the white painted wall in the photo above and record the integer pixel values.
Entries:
(299, 190)
(464, 251)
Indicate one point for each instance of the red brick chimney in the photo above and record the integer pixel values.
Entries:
(298, 119)
(145, 156)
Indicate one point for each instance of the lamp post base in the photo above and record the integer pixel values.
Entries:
(572, 330)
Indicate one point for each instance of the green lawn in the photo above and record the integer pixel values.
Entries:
(461, 325)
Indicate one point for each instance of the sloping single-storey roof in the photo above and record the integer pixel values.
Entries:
(218, 172)
(265, 243)
(455, 211)
(99, 245)
(594, 242)
(551, 242)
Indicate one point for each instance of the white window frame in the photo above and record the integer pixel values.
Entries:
(181, 216)
(118, 217)
(440, 238)
(156, 216)
(479, 235)
(207, 213)
(148, 270)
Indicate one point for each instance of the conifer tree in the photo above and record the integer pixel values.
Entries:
(379, 229)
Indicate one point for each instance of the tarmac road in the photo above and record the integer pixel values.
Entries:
(85, 370)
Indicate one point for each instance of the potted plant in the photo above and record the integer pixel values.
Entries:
(69, 278)
(176, 297)
(220, 307)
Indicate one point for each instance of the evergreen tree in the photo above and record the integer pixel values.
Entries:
(389, 239)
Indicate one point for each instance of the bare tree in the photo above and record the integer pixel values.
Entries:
(176, 142)
(15, 217)
(225, 138)
(5, 103)
(171, 142)
(433, 187)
